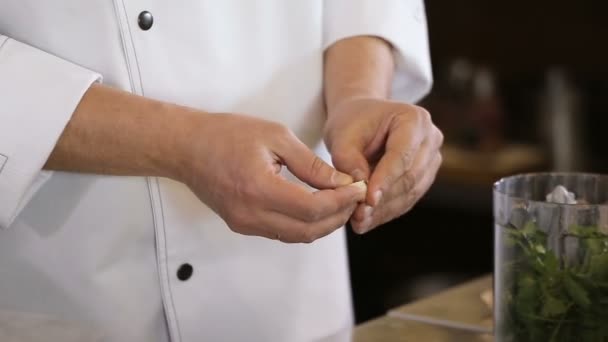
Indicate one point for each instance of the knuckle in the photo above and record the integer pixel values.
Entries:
(424, 115)
(317, 166)
(440, 136)
(403, 118)
(281, 131)
(414, 115)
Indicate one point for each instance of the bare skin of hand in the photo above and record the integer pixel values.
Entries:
(231, 162)
(245, 188)
(393, 145)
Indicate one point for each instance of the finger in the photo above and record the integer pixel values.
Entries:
(425, 162)
(402, 185)
(350, 160)
(362, 211)
(422, 165)
(276, 226)
(399, 205)
(303, 232)
(405, 137)
(295, 201)
(307, 166)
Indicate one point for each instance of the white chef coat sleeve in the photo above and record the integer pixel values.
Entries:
(400, 22)
(38, 94)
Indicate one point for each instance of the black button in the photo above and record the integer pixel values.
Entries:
(184, 272)
(145, 20)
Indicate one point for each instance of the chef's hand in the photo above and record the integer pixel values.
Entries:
(234, 168)
(393, 145)
(231, 162)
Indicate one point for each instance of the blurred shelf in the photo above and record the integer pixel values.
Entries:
(466, 177)
(472, 167)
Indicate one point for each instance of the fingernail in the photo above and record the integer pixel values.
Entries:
(364, 226)
(358, 175)
(342, 179)
(376, 197)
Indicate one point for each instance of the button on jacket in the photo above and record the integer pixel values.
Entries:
(140, 258)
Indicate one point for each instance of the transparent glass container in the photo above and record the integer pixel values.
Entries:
(551, 259)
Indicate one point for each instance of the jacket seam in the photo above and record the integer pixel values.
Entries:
(160, 238)
(124, 45)
(165, 285)
(141, 84)
(6, 39)
(162, 214)
(3, 157)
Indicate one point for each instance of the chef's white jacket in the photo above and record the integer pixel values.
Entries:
(103, 253)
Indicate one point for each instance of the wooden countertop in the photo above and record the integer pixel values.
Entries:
(455, 315)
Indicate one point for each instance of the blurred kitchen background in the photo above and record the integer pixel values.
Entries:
(519, 86)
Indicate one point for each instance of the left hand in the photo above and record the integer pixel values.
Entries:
(395, 146)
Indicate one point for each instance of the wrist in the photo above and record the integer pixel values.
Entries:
(357, 67)
(351, 96)
(176, 149)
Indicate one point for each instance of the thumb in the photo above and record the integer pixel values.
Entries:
(309, 168)
(352, 161)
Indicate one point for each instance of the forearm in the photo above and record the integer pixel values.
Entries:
(117, 133)
(361, 66)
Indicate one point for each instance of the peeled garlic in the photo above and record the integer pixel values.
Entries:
(561, 195)
(360, 184)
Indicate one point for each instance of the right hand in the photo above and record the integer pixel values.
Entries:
(233, 163)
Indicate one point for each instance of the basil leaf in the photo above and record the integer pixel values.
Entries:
(553, 307)
(598, 266)
(576, 292)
